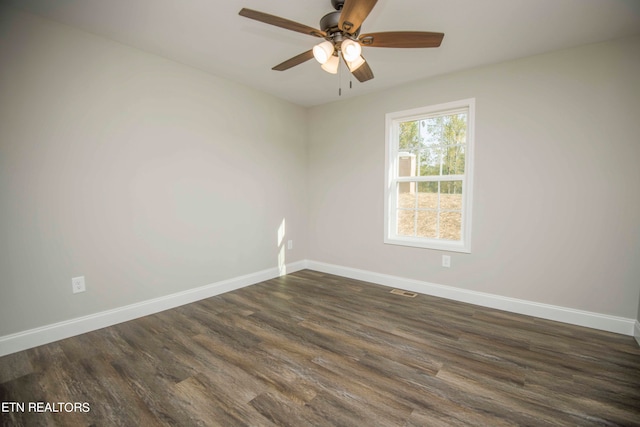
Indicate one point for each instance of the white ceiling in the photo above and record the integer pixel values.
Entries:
(211, 36)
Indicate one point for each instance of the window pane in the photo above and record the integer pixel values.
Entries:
(427, 224)
(406, 222)
(427, 195)
(410, 135)
(429, 161)
(450, 224)
(407, 195)
(431, 129)
(447, 136)
(451, 195)
(453, 160)
(407, 165)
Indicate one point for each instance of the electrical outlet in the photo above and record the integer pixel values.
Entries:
(77, 284)
(446, 261)
(290, 244)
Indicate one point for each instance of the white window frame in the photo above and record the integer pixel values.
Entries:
(392, 179)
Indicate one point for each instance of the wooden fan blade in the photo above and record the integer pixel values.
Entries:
(363, 73)
(281, 22)
(408, 39)
(354, 12)
(296, 60)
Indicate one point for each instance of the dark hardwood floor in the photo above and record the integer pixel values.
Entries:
(311, 349)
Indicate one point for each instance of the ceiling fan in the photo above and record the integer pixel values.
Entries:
(341, 31)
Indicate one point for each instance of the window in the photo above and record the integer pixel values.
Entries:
(429, 176)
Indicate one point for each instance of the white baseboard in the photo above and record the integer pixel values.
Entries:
(572, 316)
(80, 325)
(61, 330)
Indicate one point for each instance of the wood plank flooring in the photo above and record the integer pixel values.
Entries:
(312, 349)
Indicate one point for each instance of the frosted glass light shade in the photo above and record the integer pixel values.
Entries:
(331, 66)
(351, 50)
(354, 65)
(323, 51)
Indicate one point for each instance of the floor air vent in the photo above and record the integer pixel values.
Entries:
(404, 293)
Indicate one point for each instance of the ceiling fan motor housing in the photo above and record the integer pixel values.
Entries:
(329, 22)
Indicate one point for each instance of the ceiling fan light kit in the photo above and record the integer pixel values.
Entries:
(323, 51)
(331, 66)
(351, 50)
(341, 31)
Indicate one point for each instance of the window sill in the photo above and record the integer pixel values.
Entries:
(441, 245)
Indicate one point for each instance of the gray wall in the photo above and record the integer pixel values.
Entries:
(556, 201)
(143, 175)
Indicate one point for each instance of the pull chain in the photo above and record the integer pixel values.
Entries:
(340, 76)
